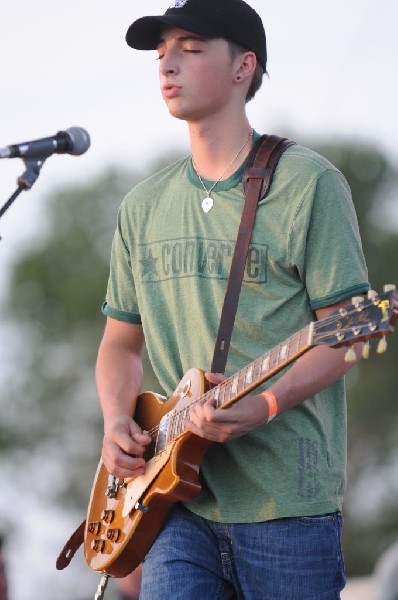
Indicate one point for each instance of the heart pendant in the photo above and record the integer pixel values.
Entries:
(207, 204)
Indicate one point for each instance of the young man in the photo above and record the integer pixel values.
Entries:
(267, 521)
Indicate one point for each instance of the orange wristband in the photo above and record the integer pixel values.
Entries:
(272, 404)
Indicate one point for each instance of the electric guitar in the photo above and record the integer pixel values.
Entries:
(126, 515)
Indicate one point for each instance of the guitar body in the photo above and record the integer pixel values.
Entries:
(115, 542)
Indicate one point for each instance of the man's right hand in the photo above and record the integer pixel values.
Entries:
(123, 447)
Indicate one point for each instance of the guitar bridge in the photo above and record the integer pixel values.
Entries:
(114, 483)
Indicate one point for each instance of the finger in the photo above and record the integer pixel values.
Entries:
(143, 439)
(215, 377)
(209, 409)
(140, 436)
(208, 433)
(133, 445)
(202, 411)
(213, 434)
(120, 464)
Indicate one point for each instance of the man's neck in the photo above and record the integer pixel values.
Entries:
(214, 146)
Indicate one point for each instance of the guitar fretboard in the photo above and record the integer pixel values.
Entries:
(235, 387)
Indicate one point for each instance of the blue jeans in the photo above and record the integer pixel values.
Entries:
(287, 559)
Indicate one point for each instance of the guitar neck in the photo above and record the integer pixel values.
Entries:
(244, 381)
(361, 321)
(257, 372)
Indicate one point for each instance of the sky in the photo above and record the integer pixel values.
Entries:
(332, 69)
(332, 72)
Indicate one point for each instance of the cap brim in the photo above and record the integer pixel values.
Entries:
(144, 33)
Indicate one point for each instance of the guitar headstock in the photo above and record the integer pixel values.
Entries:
(373, 316)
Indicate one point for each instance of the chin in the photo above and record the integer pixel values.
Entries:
(185, 113)
(189, 116)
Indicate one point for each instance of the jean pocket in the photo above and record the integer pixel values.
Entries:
(313, 519)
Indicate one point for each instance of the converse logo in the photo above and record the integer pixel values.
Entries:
(178, 4)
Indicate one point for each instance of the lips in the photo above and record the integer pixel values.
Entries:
(169, 90)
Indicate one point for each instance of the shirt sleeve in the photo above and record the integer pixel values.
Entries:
(121, 301)
(326, 237)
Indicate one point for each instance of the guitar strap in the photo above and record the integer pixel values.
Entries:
(257, 179)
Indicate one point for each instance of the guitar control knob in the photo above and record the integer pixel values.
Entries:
(366, 350)
(98, 545)
(382, 346)
(94, 527)
(108, 515)
(372, 294)
(356, 300)
(113, 534)
(350, 355)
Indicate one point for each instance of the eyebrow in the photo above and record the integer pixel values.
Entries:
(185, 38)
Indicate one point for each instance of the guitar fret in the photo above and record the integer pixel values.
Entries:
(274, 358)
(216, 395)
(184, 414)
(265, 363)
(227, 390)
(284, 352)
(221, 398)
(176, 426)
(241, 381)
(169, 424)
(209, 396)
(295, 343)
(169, 431)
(257, 364)
(235, 385)
(169, 428)
(249, 375)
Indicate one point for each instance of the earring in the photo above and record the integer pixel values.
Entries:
(238, 78)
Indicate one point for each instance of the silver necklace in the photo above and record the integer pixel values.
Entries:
(208, 202)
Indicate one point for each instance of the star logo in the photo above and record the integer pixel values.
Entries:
(149, 265)
(178, 4)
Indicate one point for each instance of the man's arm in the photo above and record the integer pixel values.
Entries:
(119, 379)
(311, 373)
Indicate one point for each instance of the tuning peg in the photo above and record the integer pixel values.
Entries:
(366, 350)
(350, 355)
(382, 345)
(357, 299)
(389, 287)
(372, 294)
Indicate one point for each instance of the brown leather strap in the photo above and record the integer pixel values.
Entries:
(69, 550)
(263, 161)
(257, 180)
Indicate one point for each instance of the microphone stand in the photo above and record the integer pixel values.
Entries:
(26, 180)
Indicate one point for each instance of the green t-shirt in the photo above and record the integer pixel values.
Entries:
(169, 268)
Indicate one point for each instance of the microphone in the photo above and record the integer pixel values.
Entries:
(74, 140)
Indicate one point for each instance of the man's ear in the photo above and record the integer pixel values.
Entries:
(246, 66)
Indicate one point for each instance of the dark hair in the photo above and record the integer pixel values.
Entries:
(257, 79)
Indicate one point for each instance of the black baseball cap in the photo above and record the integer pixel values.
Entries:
(233, 20)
